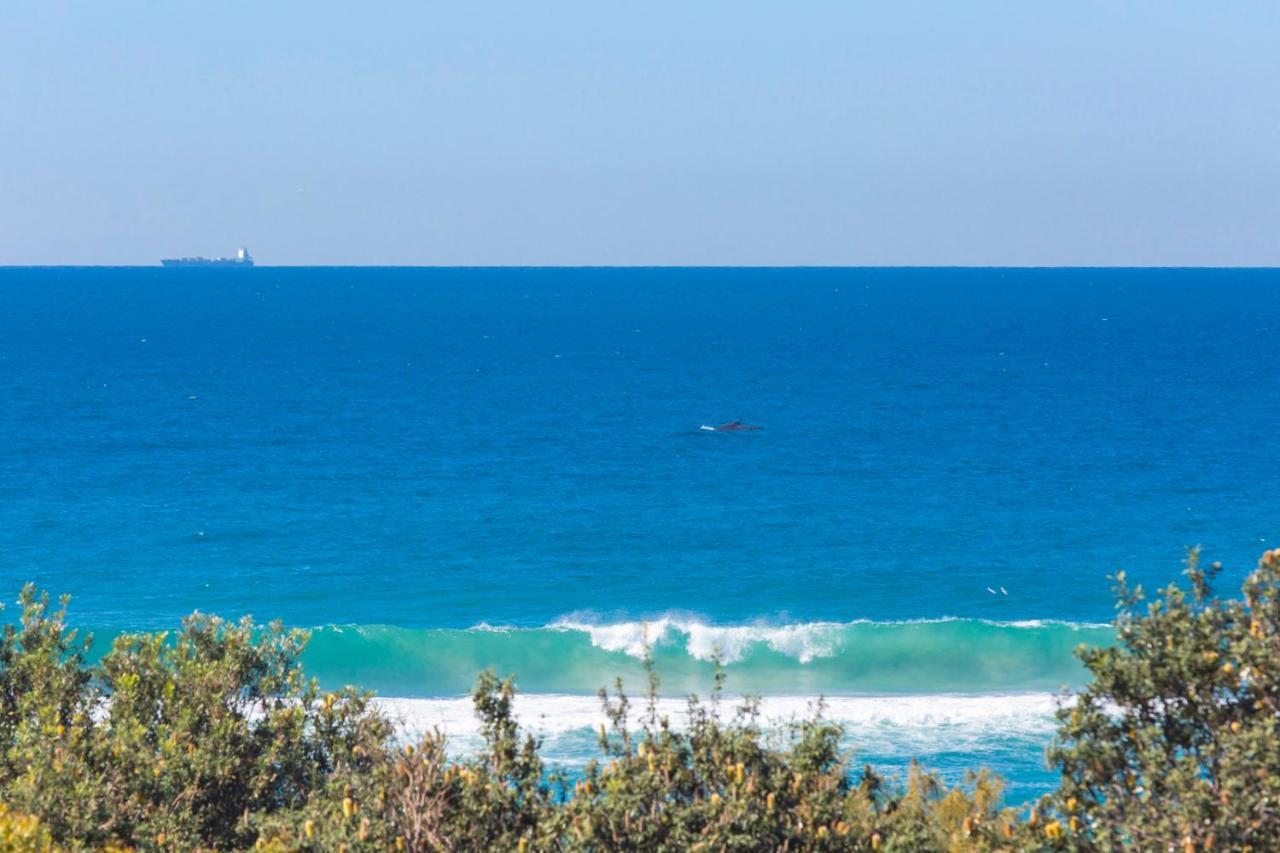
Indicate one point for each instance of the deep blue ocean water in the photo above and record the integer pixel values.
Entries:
(445, 469)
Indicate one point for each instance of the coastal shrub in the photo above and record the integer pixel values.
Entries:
(169, 741)
(21, 833)
(1176, 739)
(211, 738)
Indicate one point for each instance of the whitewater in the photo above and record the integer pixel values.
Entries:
(833, 667)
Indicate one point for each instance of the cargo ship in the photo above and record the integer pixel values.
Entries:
(242, 259)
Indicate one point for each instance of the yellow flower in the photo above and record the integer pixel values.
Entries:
(309, 828)
(1053, 829)
(348, 806)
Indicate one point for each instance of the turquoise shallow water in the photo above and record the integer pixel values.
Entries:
(808, 659)
(440, 470)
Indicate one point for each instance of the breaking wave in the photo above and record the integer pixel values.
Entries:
(576, 655)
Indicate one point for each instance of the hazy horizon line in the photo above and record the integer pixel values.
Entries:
(257, 266)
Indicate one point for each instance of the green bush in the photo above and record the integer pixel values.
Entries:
(211, 738)
(177, 741)
(1175, 740)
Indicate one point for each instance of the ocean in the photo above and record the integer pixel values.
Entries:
(442, 470)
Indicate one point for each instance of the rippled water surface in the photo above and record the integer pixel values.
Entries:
(442, 470)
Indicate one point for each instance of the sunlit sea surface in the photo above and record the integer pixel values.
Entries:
(442, 470)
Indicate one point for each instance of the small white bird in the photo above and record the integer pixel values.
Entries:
(1005, 591)
(990, 590)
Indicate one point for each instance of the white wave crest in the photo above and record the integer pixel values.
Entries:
(803, 641)
(1047, 623)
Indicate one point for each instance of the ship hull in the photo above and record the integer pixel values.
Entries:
(204, 262)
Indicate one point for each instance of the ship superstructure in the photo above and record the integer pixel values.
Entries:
(241, 259)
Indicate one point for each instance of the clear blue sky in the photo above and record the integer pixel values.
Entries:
(599, 132)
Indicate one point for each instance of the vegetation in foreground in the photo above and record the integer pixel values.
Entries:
(212, 739)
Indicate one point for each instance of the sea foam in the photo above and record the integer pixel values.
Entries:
(804, 642)
(730, 643)
(895, 726)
